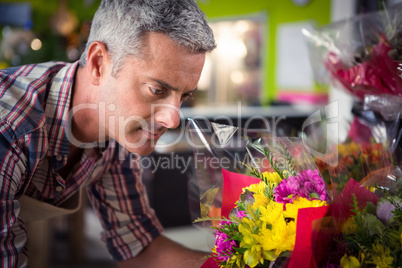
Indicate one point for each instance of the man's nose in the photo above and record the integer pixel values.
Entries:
(168, 115)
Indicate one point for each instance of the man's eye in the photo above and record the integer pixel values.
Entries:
(157, 91)
(185, 97)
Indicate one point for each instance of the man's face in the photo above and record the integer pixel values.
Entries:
(142, 101)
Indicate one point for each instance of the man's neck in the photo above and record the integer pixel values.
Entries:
(85, 119)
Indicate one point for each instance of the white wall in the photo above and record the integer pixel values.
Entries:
(340, 10)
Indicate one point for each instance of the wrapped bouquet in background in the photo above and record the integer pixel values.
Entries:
(366, 224)
(363, 55)
(364, 162)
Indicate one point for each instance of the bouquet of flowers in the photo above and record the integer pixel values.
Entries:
(265, 206)
(363, 55)
(268, 205)
(359, 161)
(367, 224)
(364, 222)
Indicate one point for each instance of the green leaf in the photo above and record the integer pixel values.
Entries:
(211, 219)
(240, 250)
(277, 166)
(373, 224)
(370, 208)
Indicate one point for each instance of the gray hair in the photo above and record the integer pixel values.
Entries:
(122, 26)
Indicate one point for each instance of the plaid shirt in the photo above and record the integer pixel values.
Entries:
(34, 105)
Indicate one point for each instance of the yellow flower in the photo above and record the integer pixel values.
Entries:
(254, 253)
(272, 177)
(348, 149)
(349, 226)
(253, 256)
(280, 237)
(249, 229)
(213, 249)
(260, 201)
(381, 256)
(349, 262)
(271, 213)
(252, 239)
(235, 261)
(257, 188)
(300, 202)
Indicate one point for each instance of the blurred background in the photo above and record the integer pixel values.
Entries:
(261, 67)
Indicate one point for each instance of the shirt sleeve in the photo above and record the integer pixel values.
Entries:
(120, 199)
(13, 236)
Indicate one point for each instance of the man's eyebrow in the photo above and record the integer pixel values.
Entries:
(167, 86)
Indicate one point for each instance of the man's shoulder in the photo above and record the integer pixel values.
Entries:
(28, 79)
(23, 95)
(32, 71)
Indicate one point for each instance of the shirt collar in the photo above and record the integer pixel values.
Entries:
(57, 107)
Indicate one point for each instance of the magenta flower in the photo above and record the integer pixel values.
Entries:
(241, 214)
(224, 247)
(236, 212)
(308, 184)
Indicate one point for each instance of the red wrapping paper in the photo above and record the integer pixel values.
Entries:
(341, 208)
(233, 184)
(377, 75)
(210, 263)
(311, 241)
(302, 255)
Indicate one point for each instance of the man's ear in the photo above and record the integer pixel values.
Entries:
(98, 62)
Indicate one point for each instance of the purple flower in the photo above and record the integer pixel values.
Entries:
(308, 184)
(247, 197)
(384, 211)
(224, 247)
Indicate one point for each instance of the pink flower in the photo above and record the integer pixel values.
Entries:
(241, 214)
(238, 213)
(307, 184)
(224, 247)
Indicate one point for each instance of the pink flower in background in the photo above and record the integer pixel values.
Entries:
(307, 184)
(379, 74)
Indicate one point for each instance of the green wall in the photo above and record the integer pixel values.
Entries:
(54, 46)
(42, 10)
(278, 11)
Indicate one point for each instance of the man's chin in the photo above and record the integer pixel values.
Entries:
(143, 146)
(142, 151)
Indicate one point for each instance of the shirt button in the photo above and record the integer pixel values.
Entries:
(59, 188)
(59, 157)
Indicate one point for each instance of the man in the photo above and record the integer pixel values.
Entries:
(66, 126)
